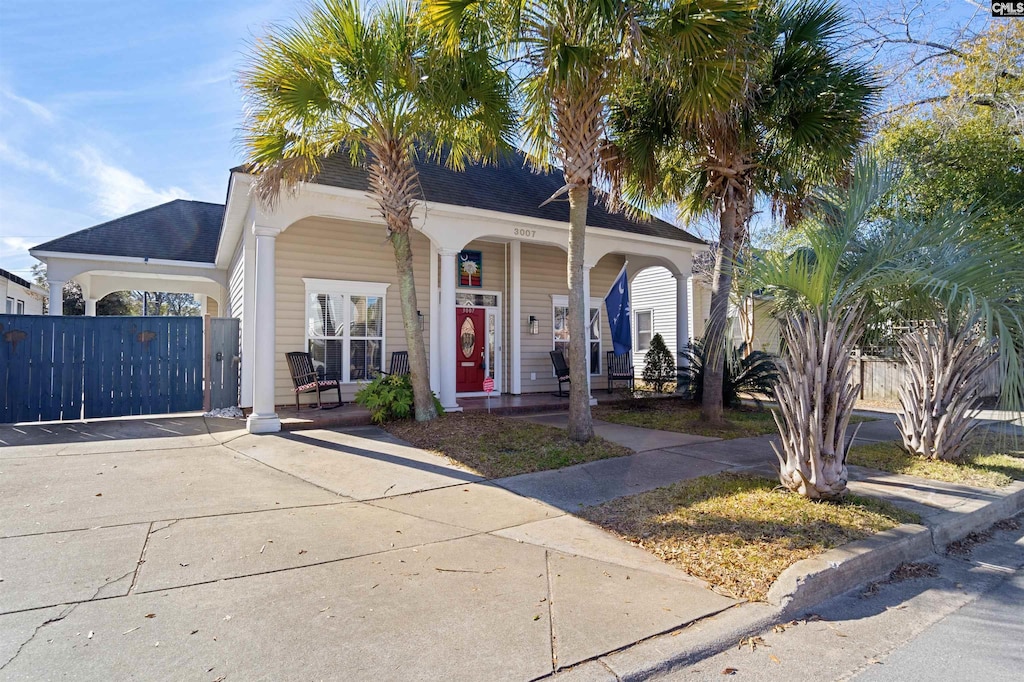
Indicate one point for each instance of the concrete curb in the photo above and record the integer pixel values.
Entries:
(799, 588)
(954, 524)
(812, 581)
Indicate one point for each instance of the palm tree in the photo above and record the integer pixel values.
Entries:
(796, 122)
(569, 56)
(371, 82)
(826, 290)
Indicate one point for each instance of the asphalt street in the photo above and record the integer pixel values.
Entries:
(960, 617)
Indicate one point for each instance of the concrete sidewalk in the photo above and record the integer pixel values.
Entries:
(662, 458)
(177, 551)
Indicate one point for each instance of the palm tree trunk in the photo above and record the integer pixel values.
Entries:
(581, 424)
(423, 397)
(394, 185)
(721, 285)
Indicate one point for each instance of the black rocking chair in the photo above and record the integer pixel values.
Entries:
(561, 370)
(620, 368)
(399, 364)
(306, 380)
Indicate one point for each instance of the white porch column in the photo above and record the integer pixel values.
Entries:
(202, 304)
(586, 307)
(56, 296)
(446, 336)
(90, 307)
(435, 348)
(515, 316)
(682, 325)
(264, 418)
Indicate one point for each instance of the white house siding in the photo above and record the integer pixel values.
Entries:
(336, 250)
(32, 300)
(654, 289)
(236, 283)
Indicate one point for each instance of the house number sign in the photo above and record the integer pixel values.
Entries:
(523, 232)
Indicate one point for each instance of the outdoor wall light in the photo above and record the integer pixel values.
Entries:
(534, 325)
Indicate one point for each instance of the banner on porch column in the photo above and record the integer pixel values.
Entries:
(617, 304)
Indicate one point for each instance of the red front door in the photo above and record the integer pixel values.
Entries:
(469, 351)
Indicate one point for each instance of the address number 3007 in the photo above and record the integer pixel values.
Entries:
(523, 232)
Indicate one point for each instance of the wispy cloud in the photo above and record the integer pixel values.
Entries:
(24, 162)
(36, 109)
(117, 191)
(16, 245)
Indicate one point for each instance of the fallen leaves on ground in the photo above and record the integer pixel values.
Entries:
(739, 532)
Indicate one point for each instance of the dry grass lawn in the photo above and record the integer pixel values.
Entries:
(683, 416)
(495, 447)
(979, 468)
(740, 532)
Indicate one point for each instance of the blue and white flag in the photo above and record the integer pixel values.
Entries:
(617, 304)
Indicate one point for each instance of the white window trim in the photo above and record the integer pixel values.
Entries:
(19, 307)
(9, 309)
(636, 328)
(562, 301)
(347, 288)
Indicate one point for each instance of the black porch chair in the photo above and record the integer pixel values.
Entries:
(306, 380)
(561, 370)
(399, 363)
(620, 368)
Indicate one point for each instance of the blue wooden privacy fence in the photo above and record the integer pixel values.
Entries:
(74, 367)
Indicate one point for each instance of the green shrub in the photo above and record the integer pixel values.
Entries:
(751, 374)
(389, 397)
(659, 364)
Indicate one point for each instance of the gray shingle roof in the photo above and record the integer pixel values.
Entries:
(14, 278)
(509, 187)
(179, 230)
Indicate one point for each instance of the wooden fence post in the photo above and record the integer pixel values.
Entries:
(207, 363)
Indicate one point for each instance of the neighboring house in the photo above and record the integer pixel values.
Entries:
(19, 296)
(318, 274)
(653, 294)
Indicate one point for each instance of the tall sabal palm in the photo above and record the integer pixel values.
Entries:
(568, 57)
(372, 82)
(797, 121)
(826, 290)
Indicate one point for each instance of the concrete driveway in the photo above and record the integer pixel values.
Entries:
(185, 549)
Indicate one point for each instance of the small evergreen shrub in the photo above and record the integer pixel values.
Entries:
(751, 374)
(659, 364)
(390, 397)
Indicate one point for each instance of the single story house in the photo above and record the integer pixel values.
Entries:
(317, 274)
(20, 296)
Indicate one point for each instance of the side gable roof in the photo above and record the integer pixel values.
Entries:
(21, 281)
(508, 186)
(180, 230)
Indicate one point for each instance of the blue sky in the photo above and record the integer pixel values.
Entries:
(111, 106)
(108, 107)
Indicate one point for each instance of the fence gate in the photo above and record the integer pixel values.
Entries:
(224, 361)
(74, 367)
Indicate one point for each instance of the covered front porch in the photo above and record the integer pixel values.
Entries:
(351, 414)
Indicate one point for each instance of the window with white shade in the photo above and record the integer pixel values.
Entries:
(345, 328)
(644, 326)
